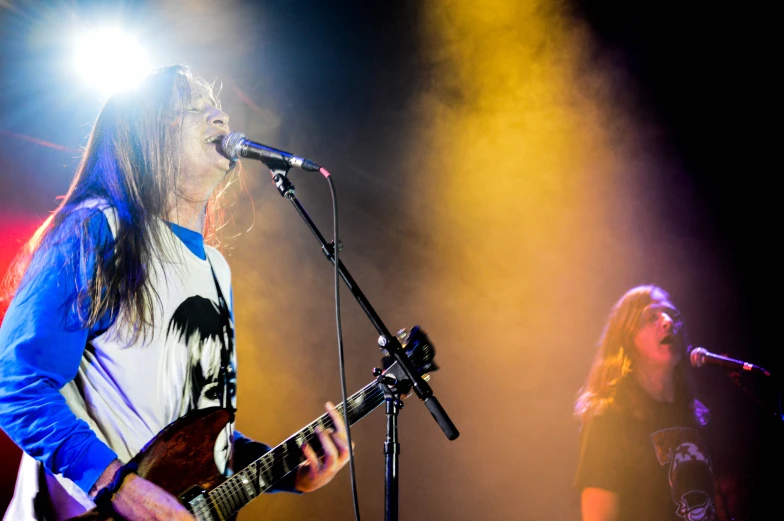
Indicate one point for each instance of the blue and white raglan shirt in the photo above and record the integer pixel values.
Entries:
(76, 399)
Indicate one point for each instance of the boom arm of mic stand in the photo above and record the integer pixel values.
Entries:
(391, 343)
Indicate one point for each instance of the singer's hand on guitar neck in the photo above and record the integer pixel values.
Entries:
(316, 472)
(141, 500)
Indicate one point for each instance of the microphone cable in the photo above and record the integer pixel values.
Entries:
(338, 322)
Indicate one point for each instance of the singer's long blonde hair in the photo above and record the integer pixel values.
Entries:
(615, 357)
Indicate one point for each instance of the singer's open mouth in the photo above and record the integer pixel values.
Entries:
(668, 340)
(214, 139)
(217, 142)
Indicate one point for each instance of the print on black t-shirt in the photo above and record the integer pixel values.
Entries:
(690, 472)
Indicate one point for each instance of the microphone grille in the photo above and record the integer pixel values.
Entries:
(697, 357)
(230, 144)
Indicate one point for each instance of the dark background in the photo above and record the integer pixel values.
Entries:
(340, 82)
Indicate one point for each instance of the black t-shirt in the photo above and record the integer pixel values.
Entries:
(658, 465)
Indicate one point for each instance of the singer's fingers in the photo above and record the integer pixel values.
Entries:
(328, 449)
(337, 418)
(340, 433)
(311, 458)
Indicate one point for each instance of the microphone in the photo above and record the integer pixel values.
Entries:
(701, 356)
(236, 145)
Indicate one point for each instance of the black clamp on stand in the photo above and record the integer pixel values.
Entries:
(388, 342)
(394, 390)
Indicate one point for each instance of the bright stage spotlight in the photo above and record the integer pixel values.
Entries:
(110, 60)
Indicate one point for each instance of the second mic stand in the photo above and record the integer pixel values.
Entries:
(386, 341)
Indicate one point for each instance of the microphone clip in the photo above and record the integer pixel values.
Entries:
(282, 182)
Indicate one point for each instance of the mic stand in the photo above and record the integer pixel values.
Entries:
(772, 410)
(391, 456)
(385, 341)
(393, 390)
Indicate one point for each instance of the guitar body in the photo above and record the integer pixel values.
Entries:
(181, 457)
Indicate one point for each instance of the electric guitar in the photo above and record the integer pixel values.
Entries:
(180, 458)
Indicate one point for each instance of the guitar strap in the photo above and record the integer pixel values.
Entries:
(223, 375)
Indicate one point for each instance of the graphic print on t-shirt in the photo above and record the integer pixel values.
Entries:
(207, 331)
(690, 473)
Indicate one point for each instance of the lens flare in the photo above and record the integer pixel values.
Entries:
(110, 60)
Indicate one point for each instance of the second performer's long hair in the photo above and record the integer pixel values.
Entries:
(615, 357)
(130, 162)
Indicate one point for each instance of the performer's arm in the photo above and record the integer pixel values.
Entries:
(597, 504)
(598, 476)
(40, 351)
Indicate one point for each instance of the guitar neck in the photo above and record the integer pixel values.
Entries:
(258, 477)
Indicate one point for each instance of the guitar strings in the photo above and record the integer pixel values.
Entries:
(229, 489)
(227, 493)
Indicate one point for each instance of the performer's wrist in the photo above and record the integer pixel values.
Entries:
(106, 477)
(103, 498)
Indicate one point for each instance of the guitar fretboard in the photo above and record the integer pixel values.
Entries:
(244, 486)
